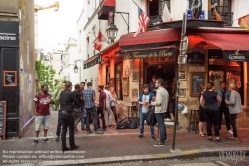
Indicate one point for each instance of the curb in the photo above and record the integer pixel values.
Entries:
(178, 154)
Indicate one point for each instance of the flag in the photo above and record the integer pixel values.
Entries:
(143, 21)
(97, 43)
(166, 17)
(244, 21)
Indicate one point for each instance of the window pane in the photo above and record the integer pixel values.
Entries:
(220, 9)
(221, 3)
(226, 9)
(226, 3)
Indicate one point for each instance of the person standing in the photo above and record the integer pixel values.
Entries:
(83, 110)
(152, 85)
(235, 107)
(102, 106)
(42, 112)
(89, 97)
(114, 101)
(67, 102)
(223, 108)
(58, 130)
(144, 101)
(209, 101)
(108, 105)
(202, 119)
(161, 105)
(77, 107)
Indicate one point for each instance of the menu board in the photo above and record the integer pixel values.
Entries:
(196, 58)
(2, 118)
(197, 79)
(10, 78)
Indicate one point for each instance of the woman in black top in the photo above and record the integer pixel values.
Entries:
(202, 119)
(209, 101)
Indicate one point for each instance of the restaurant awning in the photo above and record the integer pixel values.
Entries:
(108, 6)
(149, 40)
(234, 46)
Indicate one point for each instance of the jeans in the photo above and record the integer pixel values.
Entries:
(224, 110)
(101, 112)
(142, 118)
(109, 113)
(162, 128)
(58, 130)
(212, 117)
(67, 120)
(82, 117)
(115, 113)
(233, 118)
(91, 112)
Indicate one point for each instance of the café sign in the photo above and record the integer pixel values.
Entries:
(162, 53)
(236, 56)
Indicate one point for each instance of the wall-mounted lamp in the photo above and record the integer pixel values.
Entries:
(75, 66)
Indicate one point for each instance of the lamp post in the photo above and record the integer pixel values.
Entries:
(112, 30)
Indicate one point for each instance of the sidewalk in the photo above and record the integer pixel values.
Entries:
(117, 146)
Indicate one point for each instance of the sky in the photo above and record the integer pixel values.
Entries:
(56, 27)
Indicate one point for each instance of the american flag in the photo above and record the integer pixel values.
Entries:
(143, 21)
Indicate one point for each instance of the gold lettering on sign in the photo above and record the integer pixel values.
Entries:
(127, 55)
(165, 53)
(148, 54)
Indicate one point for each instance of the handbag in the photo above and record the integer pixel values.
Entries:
(150, 116)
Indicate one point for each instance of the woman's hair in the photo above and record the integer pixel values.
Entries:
(114, 93)
(233, 86)
(146, 86)
(210, 85)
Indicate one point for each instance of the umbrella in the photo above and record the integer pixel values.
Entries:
(244, 21)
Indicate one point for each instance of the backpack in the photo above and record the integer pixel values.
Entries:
(150, 116)
(133, 123)
(123, 124)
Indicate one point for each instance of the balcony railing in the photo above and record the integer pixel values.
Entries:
(153, 24)
(227, 17)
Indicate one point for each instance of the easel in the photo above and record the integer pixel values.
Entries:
(3, 119)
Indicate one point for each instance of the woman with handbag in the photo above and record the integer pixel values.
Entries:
(114, 100)
(144, 101)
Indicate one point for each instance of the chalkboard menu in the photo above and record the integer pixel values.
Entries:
(196, 58)
(10, 78)
(2, 118)
(197, 79)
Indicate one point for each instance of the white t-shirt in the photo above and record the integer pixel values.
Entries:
(145, 98)
(108, 98)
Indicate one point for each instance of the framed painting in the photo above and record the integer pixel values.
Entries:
(125, 86)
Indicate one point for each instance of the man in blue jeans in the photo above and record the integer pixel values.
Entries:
(58, 130)
(144, 101)
(161, 105)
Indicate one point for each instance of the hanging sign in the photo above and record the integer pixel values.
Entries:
(236, 56)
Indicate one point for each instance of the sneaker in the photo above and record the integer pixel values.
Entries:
(165, 140)
(46, 141)
(99, 132)
(89, 132)
(232, 138)
(35, 142)
(152, 138)
(167, 120)
(57, 138)
(159, 144)
(229, 132)
(140, 136)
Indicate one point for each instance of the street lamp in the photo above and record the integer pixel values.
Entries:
(75, 66)
(112, 31)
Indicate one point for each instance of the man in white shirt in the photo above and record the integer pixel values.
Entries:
(108, 105)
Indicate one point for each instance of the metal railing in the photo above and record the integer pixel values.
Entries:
(227, 17)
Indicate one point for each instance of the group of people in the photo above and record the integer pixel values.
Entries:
(213, 104)
(75, 106)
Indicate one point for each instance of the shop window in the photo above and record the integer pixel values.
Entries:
(118, 80)
(225, 71)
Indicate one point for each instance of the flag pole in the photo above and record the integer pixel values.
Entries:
(135, 3)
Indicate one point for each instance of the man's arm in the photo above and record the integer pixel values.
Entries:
(159, 99)
(94, 96)
(232, 99)
(58, 96)
(35, 104)
(73, 99)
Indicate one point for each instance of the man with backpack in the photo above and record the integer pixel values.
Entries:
(42, 112)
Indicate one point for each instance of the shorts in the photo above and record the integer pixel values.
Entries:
(42, 120)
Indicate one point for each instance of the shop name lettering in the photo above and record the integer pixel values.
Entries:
(6, 36)
(162, 53)
(237, 56)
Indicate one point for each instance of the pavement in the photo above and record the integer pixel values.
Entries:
(116, 146)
